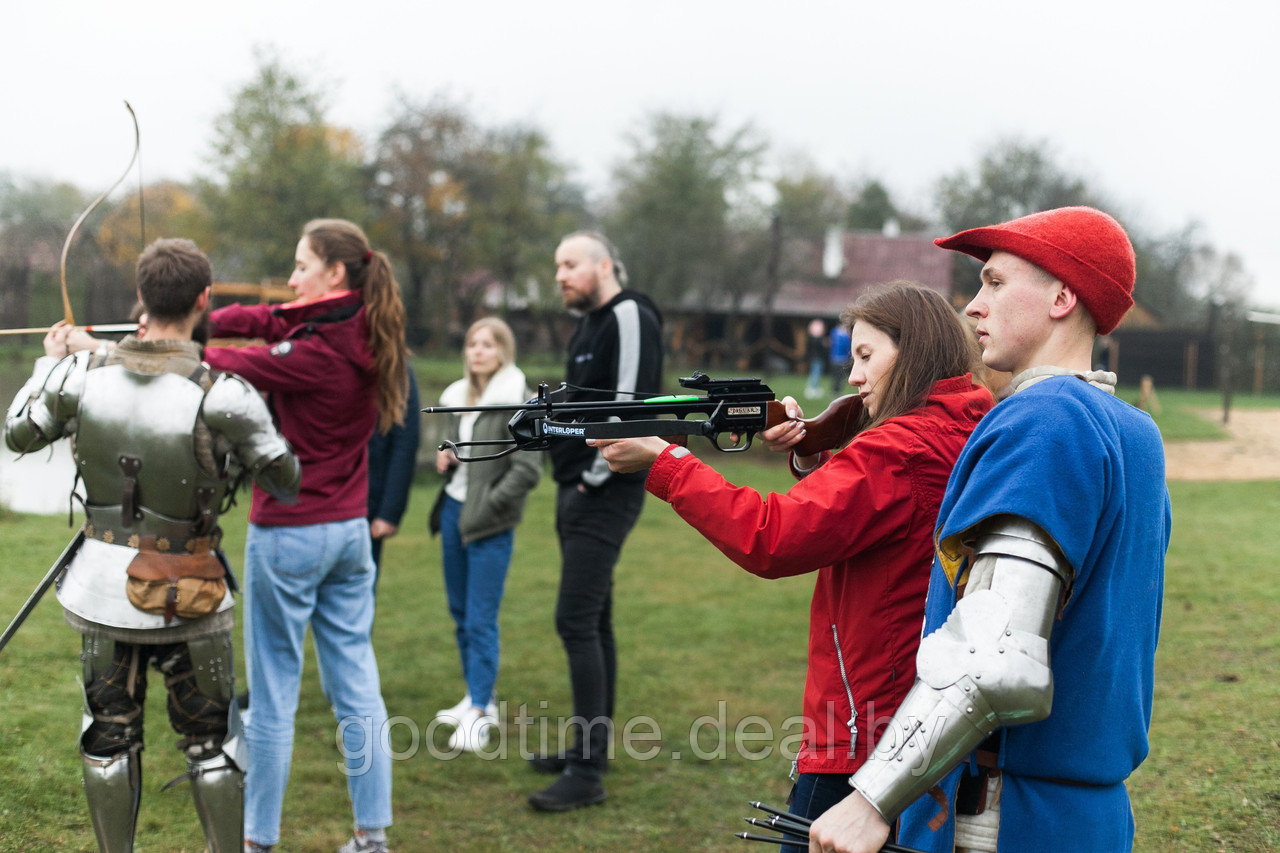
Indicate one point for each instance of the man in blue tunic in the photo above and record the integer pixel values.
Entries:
(1033, 694)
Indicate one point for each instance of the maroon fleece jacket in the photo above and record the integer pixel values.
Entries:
(319, 377)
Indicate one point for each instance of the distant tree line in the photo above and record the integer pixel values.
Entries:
(469, 211)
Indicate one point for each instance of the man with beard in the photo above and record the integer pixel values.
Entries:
(615, 354)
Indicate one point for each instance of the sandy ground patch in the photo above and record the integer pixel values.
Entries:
(1251, 453)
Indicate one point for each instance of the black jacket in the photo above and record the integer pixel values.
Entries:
(616, 348)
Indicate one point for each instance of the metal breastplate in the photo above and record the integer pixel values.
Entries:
(135, 449)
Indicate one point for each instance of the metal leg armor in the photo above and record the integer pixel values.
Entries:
(112, 783)
(217, 775)
(113, 787)
(217, 787)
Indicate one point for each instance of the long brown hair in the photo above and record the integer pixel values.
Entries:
(933, 343)
(339, 241)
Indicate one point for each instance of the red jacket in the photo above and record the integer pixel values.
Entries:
(319, 375)
(864, 522)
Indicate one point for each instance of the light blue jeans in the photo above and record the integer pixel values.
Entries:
(475, 576)
(321, 575)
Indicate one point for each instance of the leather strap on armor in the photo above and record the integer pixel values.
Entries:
(152, 542)
(129, 466)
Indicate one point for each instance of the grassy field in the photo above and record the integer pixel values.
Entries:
(712, 667)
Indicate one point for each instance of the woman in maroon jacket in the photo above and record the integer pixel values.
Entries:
(861, 517)
(334, 370)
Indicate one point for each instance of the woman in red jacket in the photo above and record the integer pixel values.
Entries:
(334, 370)
(861, 517)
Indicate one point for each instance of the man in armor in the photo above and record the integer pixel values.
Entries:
(161, 443)
(1033, 694)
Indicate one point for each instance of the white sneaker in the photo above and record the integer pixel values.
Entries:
(472, 732)
(452, 716)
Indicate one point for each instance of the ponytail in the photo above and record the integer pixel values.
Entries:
(368, 270)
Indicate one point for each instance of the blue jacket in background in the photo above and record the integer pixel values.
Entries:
(392, 459)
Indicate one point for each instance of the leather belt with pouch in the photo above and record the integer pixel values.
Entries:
(188, 585)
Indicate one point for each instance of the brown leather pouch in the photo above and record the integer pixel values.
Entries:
(185, 585)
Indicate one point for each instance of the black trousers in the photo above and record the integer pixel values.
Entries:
(592, 524)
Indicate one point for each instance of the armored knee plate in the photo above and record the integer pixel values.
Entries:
(113, 787)
(212, 658)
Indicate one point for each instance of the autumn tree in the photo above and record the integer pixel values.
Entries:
(1177, 272)
(672, 213)
(809, 201)
(276, 164)
(873, 207)
(466, 207)
(35, 218)
(1011, 179)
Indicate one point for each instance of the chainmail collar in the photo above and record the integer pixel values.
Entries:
(1104, 379)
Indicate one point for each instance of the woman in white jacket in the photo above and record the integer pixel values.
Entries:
(477, 512)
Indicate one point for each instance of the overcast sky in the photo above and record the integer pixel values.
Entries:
(1169, 107)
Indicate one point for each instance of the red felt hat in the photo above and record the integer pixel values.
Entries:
(1080, 246)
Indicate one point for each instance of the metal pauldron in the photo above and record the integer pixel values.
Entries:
(235, 410)
(50, 397)
(987, 666)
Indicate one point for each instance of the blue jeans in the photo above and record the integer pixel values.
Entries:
(817, 367)
(322, 575)
(813, 794)
(475, 576)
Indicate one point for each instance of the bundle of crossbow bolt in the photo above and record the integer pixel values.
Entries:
(794, 830)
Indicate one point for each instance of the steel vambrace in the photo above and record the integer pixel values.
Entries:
(987, 666)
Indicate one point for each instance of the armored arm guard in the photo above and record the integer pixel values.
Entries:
(45, 408)
(986, 667)
(234, 409)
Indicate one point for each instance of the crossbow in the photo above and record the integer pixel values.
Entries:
(735, 407)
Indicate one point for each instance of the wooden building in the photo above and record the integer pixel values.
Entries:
(770, 333)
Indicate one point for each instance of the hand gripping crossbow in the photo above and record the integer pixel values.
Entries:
(737, 407)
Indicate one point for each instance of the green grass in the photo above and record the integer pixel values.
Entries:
(698, 638)
(1211, 780)
(1196, 415)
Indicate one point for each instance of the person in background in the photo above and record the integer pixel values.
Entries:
(393, 457)
(334, 367)
(161, 443)
(476, 512)
(1035, 675)
(860, 517)
(615, 353)
(839, 358)
(815, 353)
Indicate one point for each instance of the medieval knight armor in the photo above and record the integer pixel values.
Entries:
(161, 443)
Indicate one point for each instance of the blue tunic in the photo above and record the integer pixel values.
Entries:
(1089, 470)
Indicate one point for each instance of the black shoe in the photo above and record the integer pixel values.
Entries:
(569, 792)
(551, 764)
